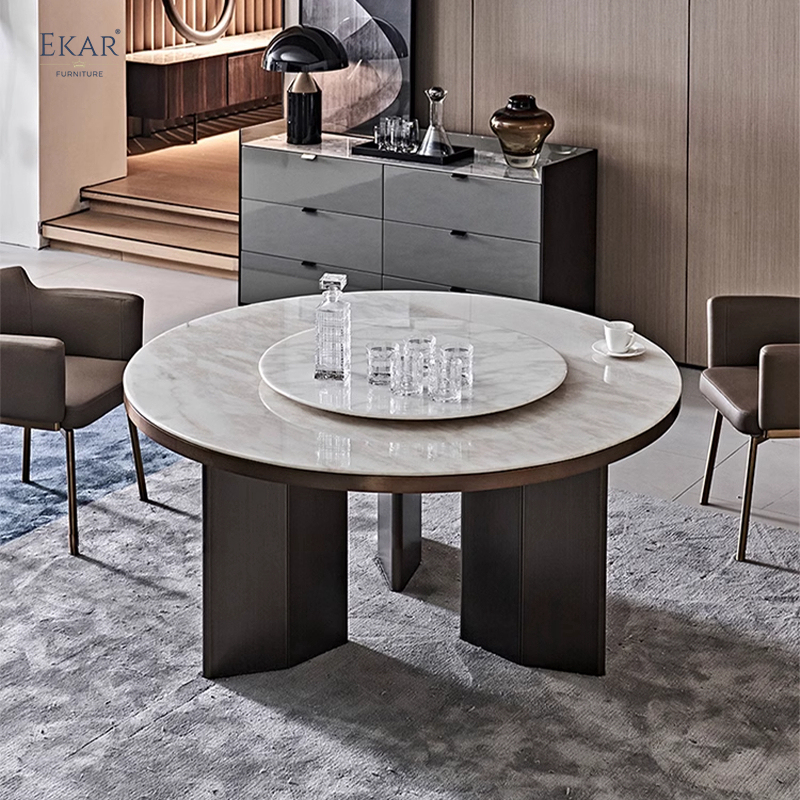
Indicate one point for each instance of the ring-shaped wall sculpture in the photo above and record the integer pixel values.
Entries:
(192, 34)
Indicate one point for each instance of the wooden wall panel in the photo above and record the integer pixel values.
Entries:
(744, 155)
(444, 58)
(614, 75)
(149, 29)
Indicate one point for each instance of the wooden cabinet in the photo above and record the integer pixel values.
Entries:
(177, 90)
(478, 227)
(179, 82)
(248, 81)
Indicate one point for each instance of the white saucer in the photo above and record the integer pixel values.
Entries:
(636, 349)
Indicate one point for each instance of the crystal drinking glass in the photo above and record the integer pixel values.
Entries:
(424, 344)
(406, 375)
(379, 362)
(445, 384)
(464, 351)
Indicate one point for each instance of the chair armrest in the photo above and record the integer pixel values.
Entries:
(740, 325)
(32, 380)
(90, 322)
(779, 387)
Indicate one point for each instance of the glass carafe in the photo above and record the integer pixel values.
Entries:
(332, 330)
(436, 141)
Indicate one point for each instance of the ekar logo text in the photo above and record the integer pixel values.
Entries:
(66, 46)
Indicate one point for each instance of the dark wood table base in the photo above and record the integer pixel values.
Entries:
(399, 537)
(274, 573)
(533, 582)
(275, 570)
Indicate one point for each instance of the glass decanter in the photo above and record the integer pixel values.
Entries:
(332, 320)
(436, 141)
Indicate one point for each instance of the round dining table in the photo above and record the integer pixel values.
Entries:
(276, 472)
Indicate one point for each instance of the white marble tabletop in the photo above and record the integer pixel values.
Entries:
(199, 384)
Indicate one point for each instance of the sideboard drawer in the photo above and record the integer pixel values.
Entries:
(332, 184)
(341, 240)
(472, 261)
(479, 205)
(270, 278)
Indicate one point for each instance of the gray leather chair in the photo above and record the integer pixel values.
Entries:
(62, 355)
(753, 379)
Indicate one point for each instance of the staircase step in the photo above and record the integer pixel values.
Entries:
(184, 244)
(159, 211)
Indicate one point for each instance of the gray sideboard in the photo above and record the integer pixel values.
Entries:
(473, 227)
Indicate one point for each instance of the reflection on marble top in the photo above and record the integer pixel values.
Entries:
(510, 369)
(200, 382)
(488, 162)
(228, 45)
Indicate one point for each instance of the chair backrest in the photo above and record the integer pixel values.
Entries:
(90, 322)
(739, 326)
(779, 388)
(16, 313)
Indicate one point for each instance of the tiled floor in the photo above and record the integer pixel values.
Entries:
(671, 468)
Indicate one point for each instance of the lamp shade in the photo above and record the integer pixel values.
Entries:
(304, 48)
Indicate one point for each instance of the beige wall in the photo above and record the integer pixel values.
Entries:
(82, 124)
(694, 109)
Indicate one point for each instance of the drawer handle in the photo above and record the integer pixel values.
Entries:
(458, 176)
(459, 234)
(458, 289)
(309, 264)
(309, 156)
(307, 210)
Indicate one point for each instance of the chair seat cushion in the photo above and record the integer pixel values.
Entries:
(93, 388)
(734, 391)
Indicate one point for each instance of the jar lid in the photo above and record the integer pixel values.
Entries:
(522, 102)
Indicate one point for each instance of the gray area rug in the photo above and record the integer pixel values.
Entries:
(103, 464)
(101, 695)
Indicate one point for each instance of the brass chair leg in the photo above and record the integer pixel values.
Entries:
(711, 460)
(26, 455)
(72, 498)
(137, 460)
(747, 497)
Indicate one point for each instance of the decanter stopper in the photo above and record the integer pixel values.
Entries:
(436, 141)
(331, 279)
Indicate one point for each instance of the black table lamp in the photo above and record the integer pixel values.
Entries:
(304, 49)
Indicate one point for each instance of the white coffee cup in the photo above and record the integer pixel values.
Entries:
(619, 336)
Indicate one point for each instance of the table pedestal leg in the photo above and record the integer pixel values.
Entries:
(399, 537)
(274, 573)
(534, 572)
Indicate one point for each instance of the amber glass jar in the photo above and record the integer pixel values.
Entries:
(521, 128)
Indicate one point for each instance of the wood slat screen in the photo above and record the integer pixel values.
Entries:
(149, 29)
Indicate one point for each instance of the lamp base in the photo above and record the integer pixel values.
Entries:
(304, 111)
